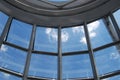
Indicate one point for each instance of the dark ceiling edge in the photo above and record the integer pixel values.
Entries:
(64, 21)
(56, 13)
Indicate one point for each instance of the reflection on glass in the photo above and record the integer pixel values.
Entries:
(98, 33)
(73, 39)
(112, 31)
(20, 33)
(77, 66)
(46, 39)
(113, 78)
(12, 58)
(108, 60)
(43, 66)
(5, 76)
(3, 20)
(117, 17)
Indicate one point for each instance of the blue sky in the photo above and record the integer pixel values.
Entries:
(73, 39)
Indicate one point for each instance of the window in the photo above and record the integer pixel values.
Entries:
(19, 33)
(98, 34)
(73, 39)
(5, 76)
(77, 66)
(3, 20)
(46, 39)
(43, 66)
(108, 59)
(117, 17)
(11, 58)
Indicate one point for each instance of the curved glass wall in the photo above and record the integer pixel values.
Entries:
(96, 31)
(77, 66)
(19, 33)
(43, 66)
(108, 59)
(46, 38)
(116, 15)
(73, 39)
(3, 20)
(5, 76)
(86, 52)
(12, 58)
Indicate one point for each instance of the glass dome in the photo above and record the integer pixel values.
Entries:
(74, 49)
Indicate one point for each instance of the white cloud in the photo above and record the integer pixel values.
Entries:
(53, 35)
(83, 40)
(93, 26)
(65, 36)
(3, 48)
(6, 75)
(48, 30)
(77, 29)
(114, 56)
(92, 34)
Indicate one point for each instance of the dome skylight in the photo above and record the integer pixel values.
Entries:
(59, 39)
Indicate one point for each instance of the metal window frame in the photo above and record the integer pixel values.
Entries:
(30, 51)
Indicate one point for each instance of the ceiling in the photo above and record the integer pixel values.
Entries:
(53, 13)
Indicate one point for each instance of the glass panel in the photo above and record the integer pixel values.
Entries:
(43, 66)
(12, 58)
(117, 17)
(46, 39)
(5, 76)
(3, 20)
(108, 60)
(113, 78)
(20, 33)
(98, 34)
(112, 30)
(73, 39)
(77, 66)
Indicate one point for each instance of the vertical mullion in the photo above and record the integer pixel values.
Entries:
(5, 31)
(59, 55)
(26, 69)
(95, 73)
(110, 29)
(115, 24)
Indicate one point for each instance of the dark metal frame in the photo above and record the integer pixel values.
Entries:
(91, 55)
(5, 31)
(59, 55)
(115, 24)
(30, 51)
(26, 70)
